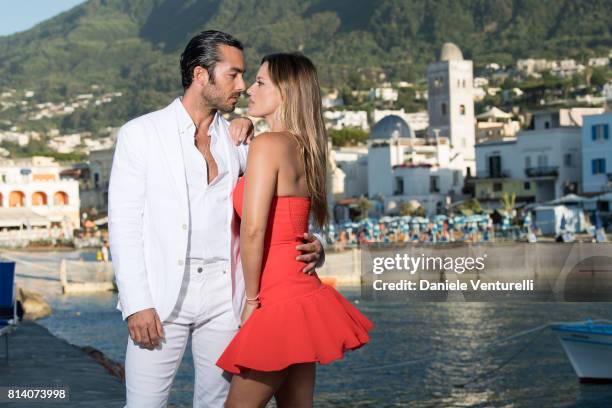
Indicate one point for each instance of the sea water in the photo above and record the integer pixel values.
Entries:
(454, 366)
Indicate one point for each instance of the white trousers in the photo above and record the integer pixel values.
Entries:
(204, 311)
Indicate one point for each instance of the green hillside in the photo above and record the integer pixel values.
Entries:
(133, 46)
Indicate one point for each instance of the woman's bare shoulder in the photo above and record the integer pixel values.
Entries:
(277, 142)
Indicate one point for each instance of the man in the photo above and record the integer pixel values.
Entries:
(173, 236)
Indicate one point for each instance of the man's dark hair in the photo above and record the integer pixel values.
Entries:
(202, 51)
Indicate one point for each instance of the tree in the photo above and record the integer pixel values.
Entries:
(599, 77)
(364, 205)
(406, 208)
(406, 100)
(508, 202)
(347, 136)
(470, 207)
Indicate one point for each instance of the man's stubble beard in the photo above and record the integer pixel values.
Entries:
(212, 98)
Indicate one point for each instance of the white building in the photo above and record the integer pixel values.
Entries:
(94, 187)
(402, 167)
(332, 100)
(418, 121)
(597, 153)
(33, 186)
(567, 68)
(385, 93)
(66, 143)
(351, 175)
(543, 164)
(607, 91)
(451, 102)
(480, 82)
(530, 65)
(481, 85)
(346, 119)
(495, 124)
(599, 62)
(22, 139)
(571, 117)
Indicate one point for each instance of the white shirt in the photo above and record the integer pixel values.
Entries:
(209, 237)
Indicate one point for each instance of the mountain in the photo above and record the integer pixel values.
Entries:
(133, 46)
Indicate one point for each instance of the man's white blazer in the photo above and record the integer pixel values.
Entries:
(149, 217)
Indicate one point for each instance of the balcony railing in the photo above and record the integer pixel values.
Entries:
(542, 171)
(487, 174)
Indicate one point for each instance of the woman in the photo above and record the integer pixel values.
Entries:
(290, 320)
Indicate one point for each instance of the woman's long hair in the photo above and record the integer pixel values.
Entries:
(301, 113)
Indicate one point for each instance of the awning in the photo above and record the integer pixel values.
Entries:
(570, 198)
(19, 216)
(602, 197)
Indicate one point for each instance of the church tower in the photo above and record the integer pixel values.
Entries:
(450, 104)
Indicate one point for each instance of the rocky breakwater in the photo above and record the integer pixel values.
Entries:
(32, 305)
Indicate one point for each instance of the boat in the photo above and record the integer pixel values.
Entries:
(588, 346)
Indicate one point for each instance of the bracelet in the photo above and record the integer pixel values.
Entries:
(256, 298)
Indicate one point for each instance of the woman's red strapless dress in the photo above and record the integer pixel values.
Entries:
(300, 319)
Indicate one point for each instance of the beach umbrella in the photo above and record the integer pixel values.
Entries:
(527, 220)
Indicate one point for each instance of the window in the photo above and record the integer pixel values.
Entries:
(495, 166)
(443, 109)
(527, 185)
(598, 166)
(542, 160)
(497, 187)
(464, 83)
(456, 176)
(462, 109)
(527, 162)
(399, 186)
(567, 160)
(600, 132)
(434, 184)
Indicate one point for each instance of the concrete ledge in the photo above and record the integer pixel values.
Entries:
(39, 359)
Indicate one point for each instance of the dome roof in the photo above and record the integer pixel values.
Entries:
(391, 126)
(450, 52)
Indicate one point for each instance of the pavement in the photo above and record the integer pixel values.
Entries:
(39, 360)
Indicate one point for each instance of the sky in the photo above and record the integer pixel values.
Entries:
(20, 15)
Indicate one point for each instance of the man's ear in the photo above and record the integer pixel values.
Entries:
(200, 74)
